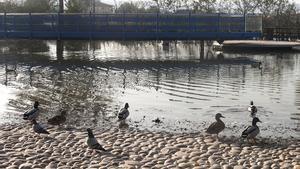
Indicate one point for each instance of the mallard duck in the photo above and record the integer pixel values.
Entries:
(92, 141)
(38, 128)
(216, 127)
(58, 119)
(252, 109)
(33, 113)
(124, 113)
(251, 131)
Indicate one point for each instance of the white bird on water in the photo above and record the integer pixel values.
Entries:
(252, 109)
(92, 141)
(218, 126)
(33, 113)
(252, 131)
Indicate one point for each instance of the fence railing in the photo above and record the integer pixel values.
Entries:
(280, 33)
(152, 26)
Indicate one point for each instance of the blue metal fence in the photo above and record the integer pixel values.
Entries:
(124, 26)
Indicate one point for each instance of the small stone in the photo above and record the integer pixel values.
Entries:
(132, 163)
(215, 166)
(286, 166)
(185, 165)
(239, 167)
(255, 167)
(51, 165)
(25, 166)
(297, 167)
(226, 166)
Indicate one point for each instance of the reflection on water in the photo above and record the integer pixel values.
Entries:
(296, 116)
(92, 80)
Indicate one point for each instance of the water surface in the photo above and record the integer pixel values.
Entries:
(93, 80)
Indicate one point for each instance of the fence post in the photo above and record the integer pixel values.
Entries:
(52, 22)
(190, 29)
(4, 24)
(107, 23)
(14, 22)
(123, 34)
(94, 23)
(157, 17)
(58, 26)
(90, 26)
(138, 21)
(245, 22)
(261, 23)
(219, 24)
(30, 26)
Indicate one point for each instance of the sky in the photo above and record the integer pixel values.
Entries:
(112, 2)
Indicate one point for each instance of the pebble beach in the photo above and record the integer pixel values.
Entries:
(64, 148)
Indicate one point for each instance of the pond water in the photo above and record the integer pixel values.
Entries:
(93, 80)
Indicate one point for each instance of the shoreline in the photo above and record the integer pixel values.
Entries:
(21, 148)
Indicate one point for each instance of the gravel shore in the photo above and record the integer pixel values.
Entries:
(66, 148)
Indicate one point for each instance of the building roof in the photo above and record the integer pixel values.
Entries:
(99, 3)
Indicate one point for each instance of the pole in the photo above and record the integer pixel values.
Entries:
(190, 28)
(61, 6)
(245, 23)
(202, 50)
(30, 25)
(59, 42)
(4, 25)
(94, 6)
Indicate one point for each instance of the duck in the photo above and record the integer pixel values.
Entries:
(38, 128)
(252, 131)
(58, 119)
(157, 121)
(92, 141)
(123, 113)
(252, 109)
(257, 65)
(33, 113)
(216, 127)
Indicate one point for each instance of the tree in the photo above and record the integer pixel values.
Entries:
(129, 7)
(9, 6)
(204, 6)
(38, 6)
(78, 6)
(246, 6)
(167, 5)
(225, 6)
(267, 7)
(284, 13)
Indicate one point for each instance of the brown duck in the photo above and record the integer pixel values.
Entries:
(216, 127)
(58, 119)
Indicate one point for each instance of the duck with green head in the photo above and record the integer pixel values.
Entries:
(252, 131)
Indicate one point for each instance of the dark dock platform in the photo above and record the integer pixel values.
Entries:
(259, 45)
